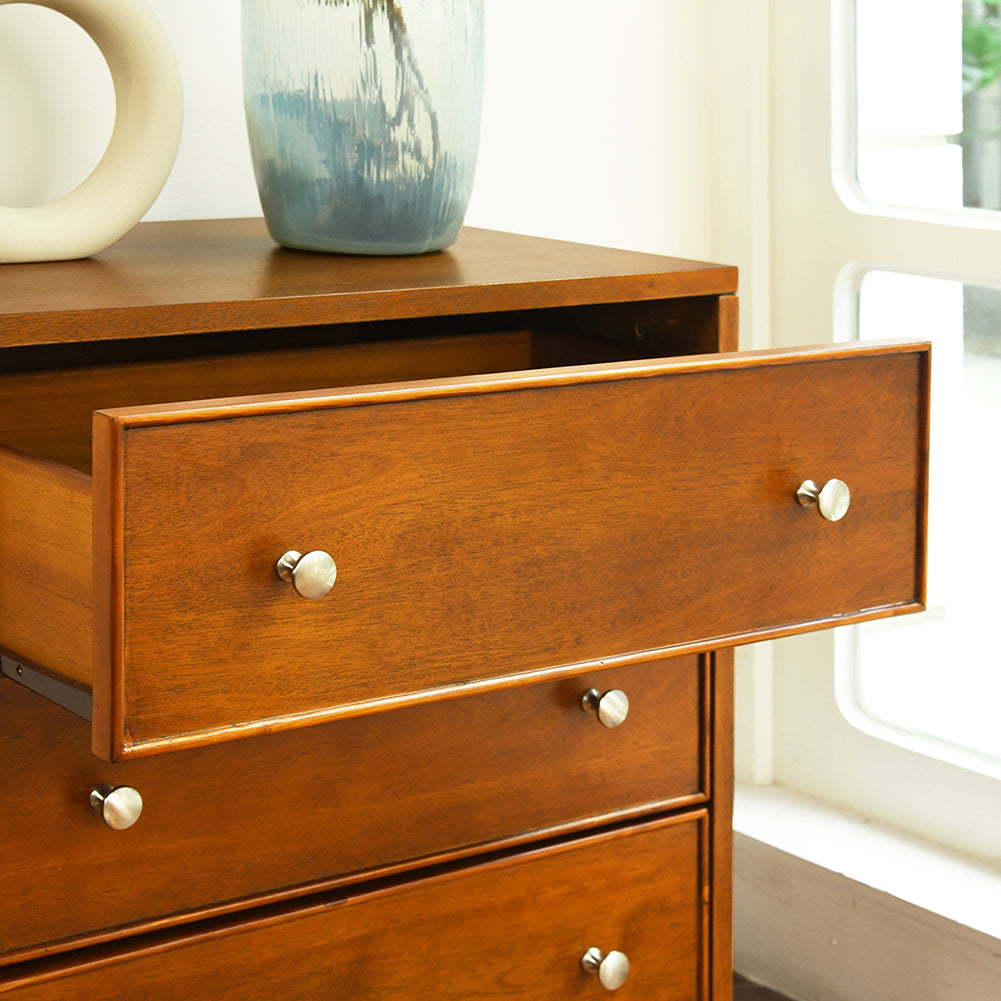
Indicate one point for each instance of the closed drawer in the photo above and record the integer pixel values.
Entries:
(486, 530)
(514, 928)
(279, 815)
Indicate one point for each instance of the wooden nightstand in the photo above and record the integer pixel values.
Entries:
(476, 743)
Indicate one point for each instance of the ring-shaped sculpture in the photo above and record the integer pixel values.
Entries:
(140, 154)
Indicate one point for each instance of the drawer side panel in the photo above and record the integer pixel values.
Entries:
(45, 565)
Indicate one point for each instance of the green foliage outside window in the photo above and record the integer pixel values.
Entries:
(981, 44)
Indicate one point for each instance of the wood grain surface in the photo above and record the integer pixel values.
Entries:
(285, 813)
(49, 412)
(215, 275)
(514, 928)
(490, 528)
(45, 565)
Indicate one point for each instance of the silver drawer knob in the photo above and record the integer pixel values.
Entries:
(612, 969)
(612, 708)
(832, 499)
(119, 808)
(312, 575)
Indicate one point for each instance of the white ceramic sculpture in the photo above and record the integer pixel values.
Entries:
(140, 154)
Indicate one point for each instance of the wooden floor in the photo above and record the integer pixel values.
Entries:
(744, 990)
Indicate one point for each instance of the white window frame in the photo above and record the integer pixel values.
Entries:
(861, 915)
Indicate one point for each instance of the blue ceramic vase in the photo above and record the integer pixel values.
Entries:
(364, 120)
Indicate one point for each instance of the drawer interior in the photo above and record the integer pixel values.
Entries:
(48, 394)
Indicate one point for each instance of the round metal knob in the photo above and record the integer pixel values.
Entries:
(612, 708)
(119, 808)
(831, 500)
(312, 575)
(612, 969)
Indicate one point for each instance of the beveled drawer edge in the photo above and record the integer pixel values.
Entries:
(95, 952)
(264, 404)
(296, 721)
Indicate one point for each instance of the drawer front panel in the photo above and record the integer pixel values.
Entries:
(514, 929)
(280, 812)
(490, 528)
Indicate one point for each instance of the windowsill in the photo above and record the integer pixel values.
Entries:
(829, 906)
(941, 883)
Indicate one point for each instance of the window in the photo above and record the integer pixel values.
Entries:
(928, 105)
(928, 100)
(858, 242)
(908, 85)
(849, 253)
(891, 674)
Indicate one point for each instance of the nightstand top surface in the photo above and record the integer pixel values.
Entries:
(215, 275)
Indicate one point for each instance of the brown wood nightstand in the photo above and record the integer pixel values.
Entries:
(401, 591)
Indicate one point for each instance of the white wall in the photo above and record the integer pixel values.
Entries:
(596, 122)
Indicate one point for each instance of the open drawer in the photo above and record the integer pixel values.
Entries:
(487, 529)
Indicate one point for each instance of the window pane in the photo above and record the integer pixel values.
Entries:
(929, 103)
(936, 677)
